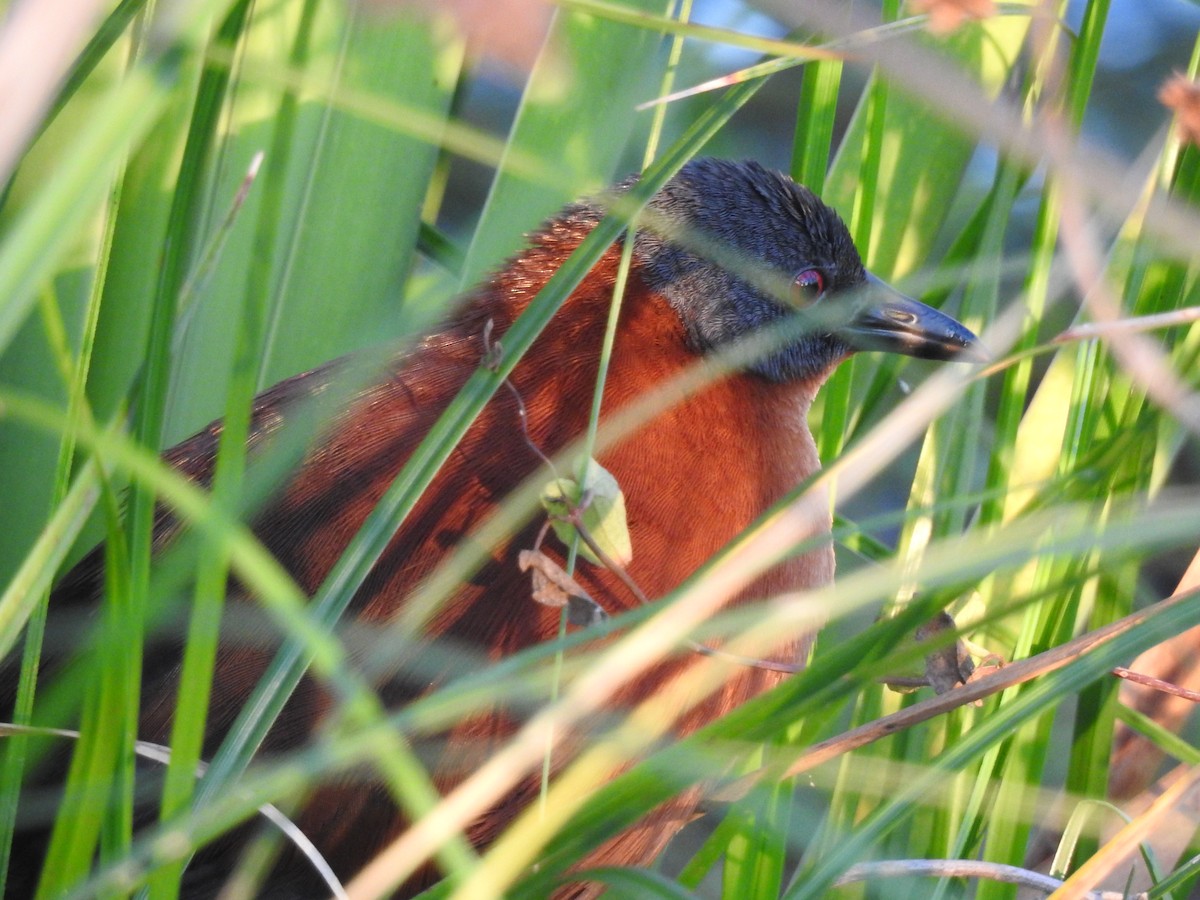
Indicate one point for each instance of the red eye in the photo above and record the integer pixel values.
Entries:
(807, 287)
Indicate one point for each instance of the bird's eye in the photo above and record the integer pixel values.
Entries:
(807, 287)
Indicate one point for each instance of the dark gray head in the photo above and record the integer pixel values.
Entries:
(734, 247)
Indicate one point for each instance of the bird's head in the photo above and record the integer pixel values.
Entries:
(734, 247)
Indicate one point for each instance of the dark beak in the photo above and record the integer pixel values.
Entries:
(892, 322)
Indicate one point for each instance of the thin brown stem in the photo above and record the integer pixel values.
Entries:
(1157, 683)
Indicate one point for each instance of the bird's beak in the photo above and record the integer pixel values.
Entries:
(890, 321)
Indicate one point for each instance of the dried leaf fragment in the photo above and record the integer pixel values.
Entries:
(555, 588)
(947, 667)
(944, 668)
(946, 16)
(1181, 95)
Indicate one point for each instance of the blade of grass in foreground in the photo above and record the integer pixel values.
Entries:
(98, 794)
(1007, 827)
(318, 255)
(751, 840)
(47, 226)
(25, 602)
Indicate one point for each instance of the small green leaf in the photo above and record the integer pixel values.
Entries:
(602, 514)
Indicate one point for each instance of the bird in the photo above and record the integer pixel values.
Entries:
(726, 250)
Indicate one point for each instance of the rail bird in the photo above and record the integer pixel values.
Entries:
(727, 250)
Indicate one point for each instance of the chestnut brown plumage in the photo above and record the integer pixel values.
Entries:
(694, 476)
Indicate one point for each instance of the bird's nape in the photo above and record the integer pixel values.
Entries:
(694, 477)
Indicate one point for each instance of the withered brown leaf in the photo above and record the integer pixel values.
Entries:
(553, 587)
(947, 667)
